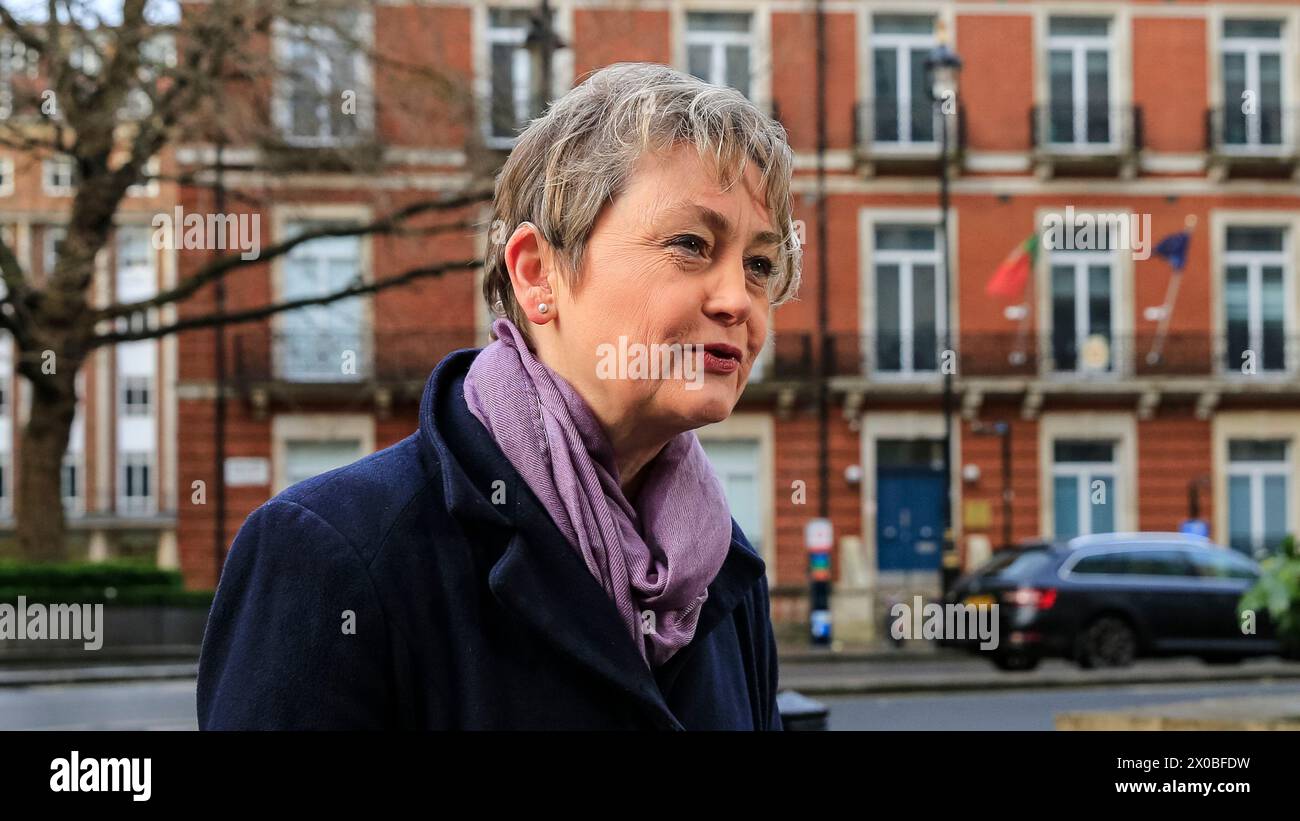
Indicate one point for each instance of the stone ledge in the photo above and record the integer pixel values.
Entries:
(1251, 713)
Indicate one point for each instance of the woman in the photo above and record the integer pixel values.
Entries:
(551, 548)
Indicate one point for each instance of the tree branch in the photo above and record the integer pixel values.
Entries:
(264, 311)
(218, 268)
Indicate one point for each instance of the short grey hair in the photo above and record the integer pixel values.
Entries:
(578, 156)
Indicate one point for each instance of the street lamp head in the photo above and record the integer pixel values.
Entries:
(942, 65)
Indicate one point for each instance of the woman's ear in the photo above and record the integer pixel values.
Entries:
(527, 259)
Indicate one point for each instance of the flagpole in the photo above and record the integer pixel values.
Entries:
(1167, 309)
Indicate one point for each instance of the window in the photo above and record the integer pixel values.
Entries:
(322, 343)
(1259, 474)
(6, 175)
(736, 463)
(720, 48)
(71, 483)
(1254, 292)
(148, 186)
(1159, 563)
(1083, 487)
(1252, 84)
(320, 65)
(136, 392)
(135, 488)
(14, 60)
(1103, 564)
(1082, 295)
(510, 81)
(6, 496)
(136, 279)
(59, 176)
(1222, 564)
(909, 299)
(54, 235)
(1079, 75)
(902, 111)
(307, 458)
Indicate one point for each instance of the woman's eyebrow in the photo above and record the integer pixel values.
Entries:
(718, 223)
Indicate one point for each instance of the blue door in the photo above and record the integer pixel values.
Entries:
(909, 518)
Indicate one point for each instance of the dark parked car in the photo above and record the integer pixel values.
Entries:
(1106, 599)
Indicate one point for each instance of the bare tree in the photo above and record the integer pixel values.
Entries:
(110, 95)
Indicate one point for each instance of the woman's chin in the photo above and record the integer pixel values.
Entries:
(708, 404)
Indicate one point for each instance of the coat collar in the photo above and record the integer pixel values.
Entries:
(540, 577)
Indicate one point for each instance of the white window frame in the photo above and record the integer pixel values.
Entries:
(1086, 473)
(283, 217)
(1255, 472)
(51, 237)
(717, 42)
(145, 505)
(1252, 48)
(285, 34)
(1080, 260)
(902, 45)
(322, 427)
(58, 176)
(1254, 262)
(1078, 45)
(128, 383)
(1118, 428)
(521, 76)
(868, 220)
(906, 260)
(758, 427)
(6, 176)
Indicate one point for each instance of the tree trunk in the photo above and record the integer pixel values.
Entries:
(38, 504)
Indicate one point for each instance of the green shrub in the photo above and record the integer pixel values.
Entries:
(120, 582)
(1278, 593)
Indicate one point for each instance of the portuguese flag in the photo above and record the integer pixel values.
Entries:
(1010, 278)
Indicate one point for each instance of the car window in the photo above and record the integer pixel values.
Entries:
(1222, 564)
(1143, 562)
(1016, 564)
(1159, 563)
(1109, 564)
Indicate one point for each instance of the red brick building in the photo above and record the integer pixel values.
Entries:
(1065, 111)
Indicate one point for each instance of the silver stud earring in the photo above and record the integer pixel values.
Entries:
(542, 307)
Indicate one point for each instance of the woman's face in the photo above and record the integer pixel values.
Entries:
(673, 261)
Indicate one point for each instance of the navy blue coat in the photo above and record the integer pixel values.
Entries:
(392, 593)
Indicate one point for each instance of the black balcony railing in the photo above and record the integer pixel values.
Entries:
(1263, 131)
(891, 356)
(1086, 129)
(885, 128)
(341, 357)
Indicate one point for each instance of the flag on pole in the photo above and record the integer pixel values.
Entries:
(1173, 248)
(1012, 275)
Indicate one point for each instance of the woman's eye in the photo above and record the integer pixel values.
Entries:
(690, 242)
(762, 266)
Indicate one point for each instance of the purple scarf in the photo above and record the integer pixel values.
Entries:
(655, 556)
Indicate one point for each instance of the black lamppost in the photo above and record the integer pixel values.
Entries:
(942, 67)
(541, 43)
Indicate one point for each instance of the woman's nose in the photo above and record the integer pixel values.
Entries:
(729, 300)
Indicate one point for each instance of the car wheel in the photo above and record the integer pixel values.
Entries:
(1015, 662)
(1107, 642)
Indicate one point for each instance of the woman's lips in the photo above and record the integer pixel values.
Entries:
(720, 358)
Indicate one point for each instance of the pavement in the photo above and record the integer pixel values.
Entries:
(845, 669)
